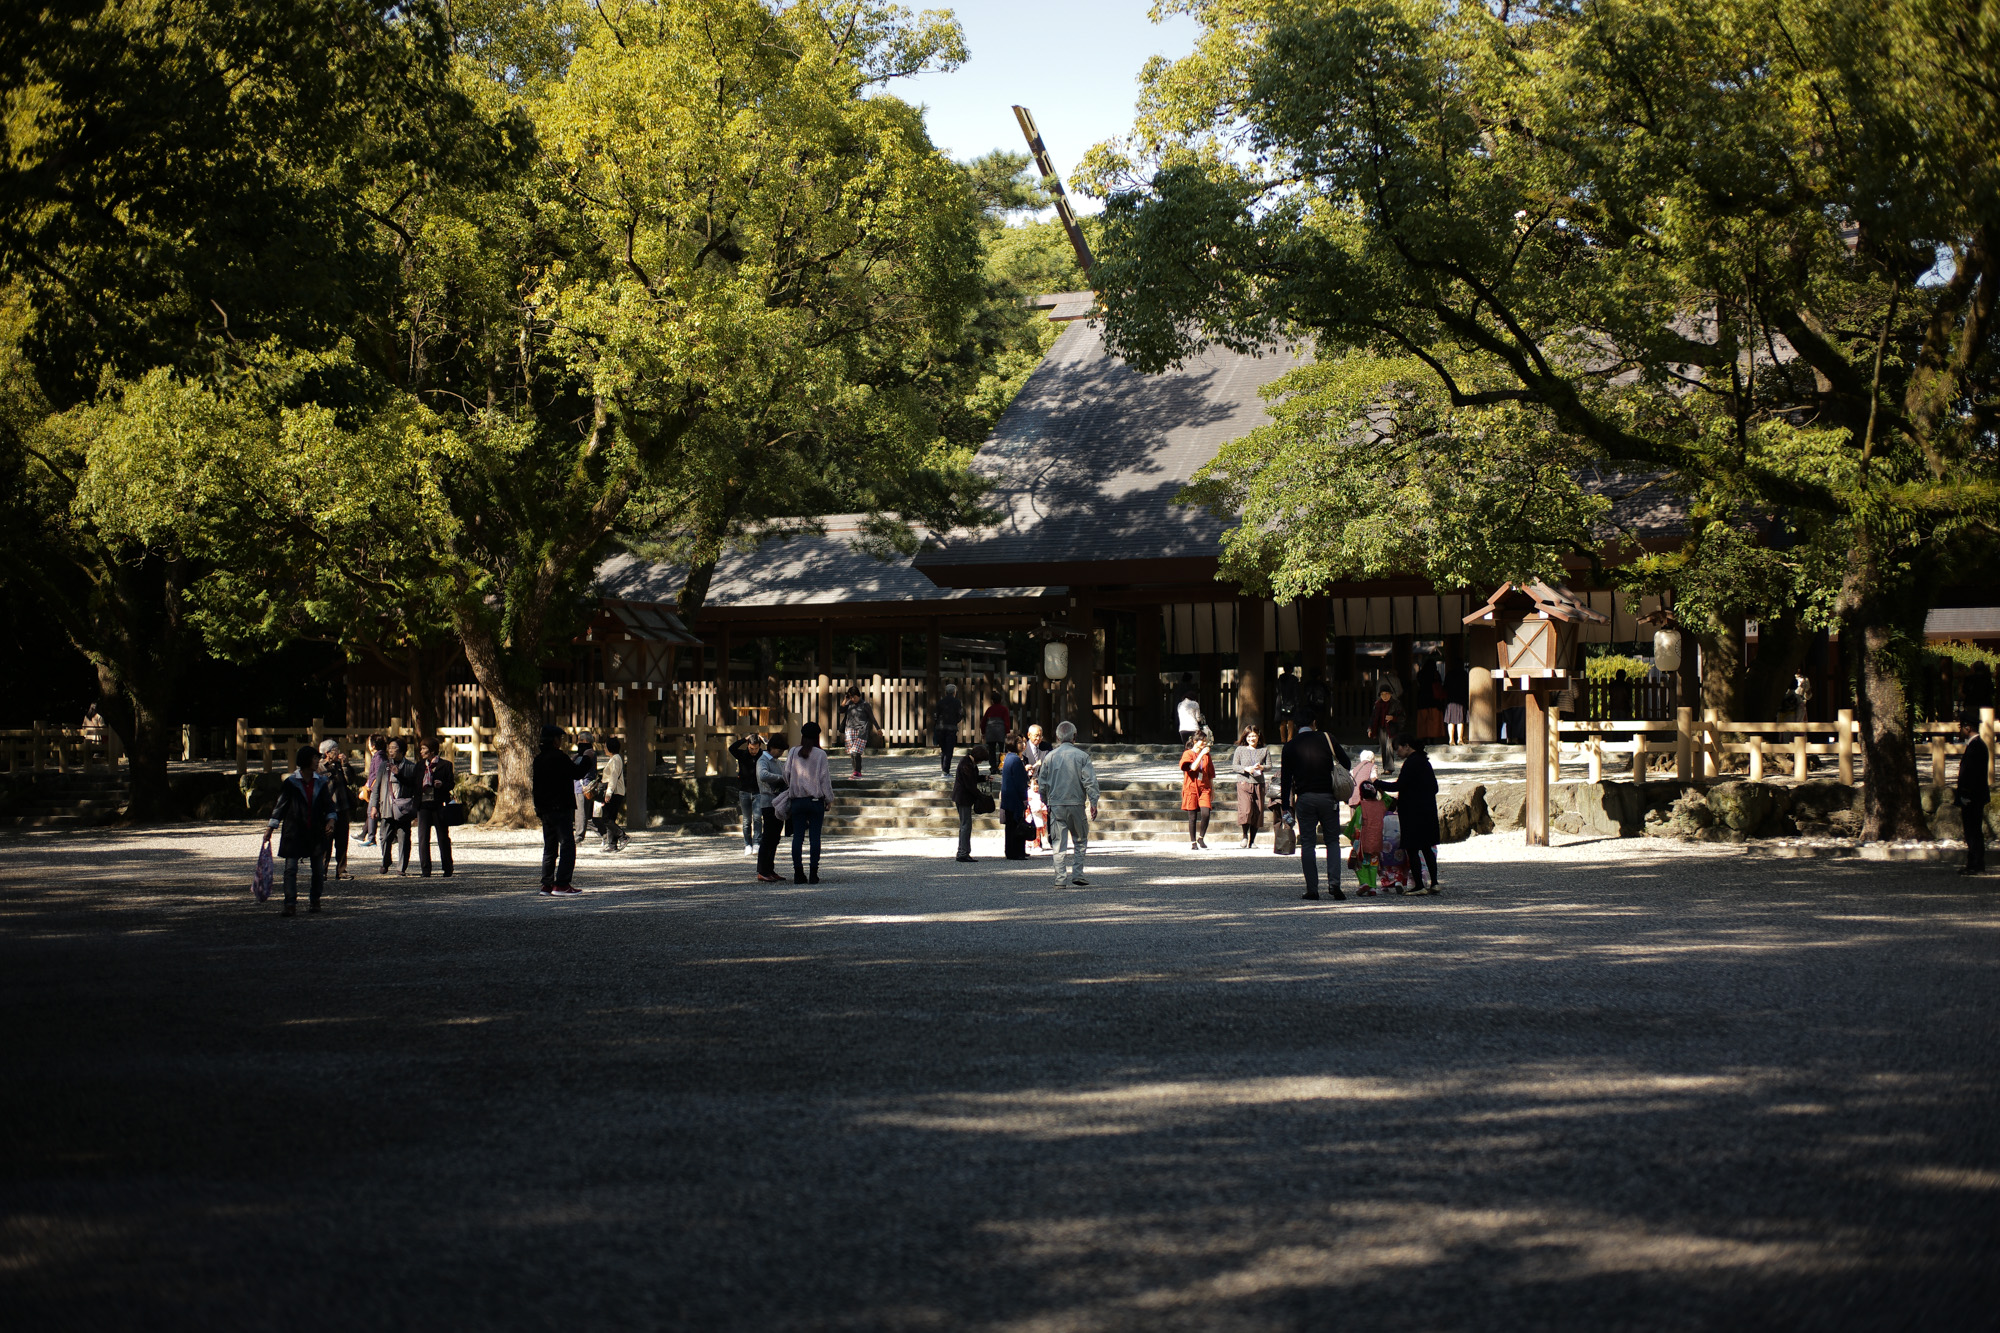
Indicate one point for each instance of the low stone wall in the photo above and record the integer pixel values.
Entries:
(1709, 810)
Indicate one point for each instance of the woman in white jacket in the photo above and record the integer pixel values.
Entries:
(611, 836)
(810, 788)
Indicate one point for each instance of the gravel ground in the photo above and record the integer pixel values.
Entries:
(1601, 1086)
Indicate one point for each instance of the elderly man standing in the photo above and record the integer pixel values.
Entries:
(1069, 784)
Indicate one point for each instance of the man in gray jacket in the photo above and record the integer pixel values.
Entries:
(1069, 783)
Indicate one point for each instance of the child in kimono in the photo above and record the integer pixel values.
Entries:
(1364, 832)
(1038, 811)
(1393, 865)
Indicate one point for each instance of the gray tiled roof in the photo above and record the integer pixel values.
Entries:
(804, 570)
(1086, 462)
(1983, 621)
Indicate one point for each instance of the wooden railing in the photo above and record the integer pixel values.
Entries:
(1686, 748)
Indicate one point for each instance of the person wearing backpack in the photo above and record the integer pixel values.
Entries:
(1313, 783)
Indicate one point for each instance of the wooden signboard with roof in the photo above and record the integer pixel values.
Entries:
(1536, 626)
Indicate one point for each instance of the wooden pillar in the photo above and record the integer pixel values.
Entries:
(1684, 744)
(1116, 724)
(1083, 665)
(1986, 733)
(1210, 691)
(825, 717)
(1146, 697)
(1536, 815)
(638, 729)
(933, 675)
(1250, 661)
(1845, 719)
(1482, 722)
(725, 704)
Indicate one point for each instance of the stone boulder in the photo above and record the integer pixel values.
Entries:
(477, 796)
(1507, 804)
(1744, 808)
(1462, 812)
(221, 805)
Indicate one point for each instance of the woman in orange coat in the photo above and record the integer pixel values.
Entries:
(1198, 789)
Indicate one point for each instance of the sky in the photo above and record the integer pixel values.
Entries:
(1075, 65)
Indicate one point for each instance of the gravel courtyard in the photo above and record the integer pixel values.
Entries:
(1604, 1086)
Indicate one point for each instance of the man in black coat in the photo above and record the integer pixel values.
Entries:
(303, 818)
(1416, 788)
(1974, 791)
(554, 778)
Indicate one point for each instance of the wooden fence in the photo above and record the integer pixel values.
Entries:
(1685, 748)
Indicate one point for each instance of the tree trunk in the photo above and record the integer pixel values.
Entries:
(1891, 803)
(517, 713)
(1722, 668)
(426, 668)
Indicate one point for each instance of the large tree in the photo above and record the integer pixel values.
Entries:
(183, 190)
(1744, 246)
(726, 239)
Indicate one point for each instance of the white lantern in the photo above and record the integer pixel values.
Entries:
(1667, 651)
(1055, 660)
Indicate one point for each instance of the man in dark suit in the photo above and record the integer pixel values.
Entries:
(1974, 791)
(554, 777)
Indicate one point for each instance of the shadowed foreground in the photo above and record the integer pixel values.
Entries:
(1598, 1087)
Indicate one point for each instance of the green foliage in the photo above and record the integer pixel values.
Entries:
(1605, 667)
(1963, 653)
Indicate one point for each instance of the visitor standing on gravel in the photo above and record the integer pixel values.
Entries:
(1198, 790)
(610, 834)
(303, 819)
(371, 784)
(554, 781)
(1069, 784)
(1973, 792)
(1014, 799)
(401, 782)
(585, 778)
(333, 766)
(1416, 788)
(1034, 747)
(950, 712)
(770, 782)
(1250, 765)
(436, 780)
(857, 724)
(1312, 785)
(964, 791)
(747, 753)
(811, 788)
(1187, 708)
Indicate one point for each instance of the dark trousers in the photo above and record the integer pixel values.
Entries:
(965, 832)
(808, 815)
(1318, 814)
(317, 862)
(340, 832)
(429, 822)
(1975, 836)
(945, 748)
(1421, 857)
(558, 848)
(1016, 844)
(607, 823)
(394, 835)
(767, 843)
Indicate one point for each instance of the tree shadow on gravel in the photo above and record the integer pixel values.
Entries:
(1624, 1096)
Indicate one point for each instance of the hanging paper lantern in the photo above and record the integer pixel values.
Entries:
(1667, 650)
(1055, 660)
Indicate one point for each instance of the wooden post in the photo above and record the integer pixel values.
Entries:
(1555, 743)
(1639, 756)
(1536, 815)
(1710, 754)
(1757, 758)
(1938, 760)
(1845, 720)
(242, 746)
(1683, 744)
(1986, 734)
(1594, 756)
(1801, 759)
(187, 741)
(36, 741)
(825, 681)
(933, 679)
(1250, 657)
(725, 707)
(1083, 666)
(1482, 722)
(318, 732)
(1145, 722)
